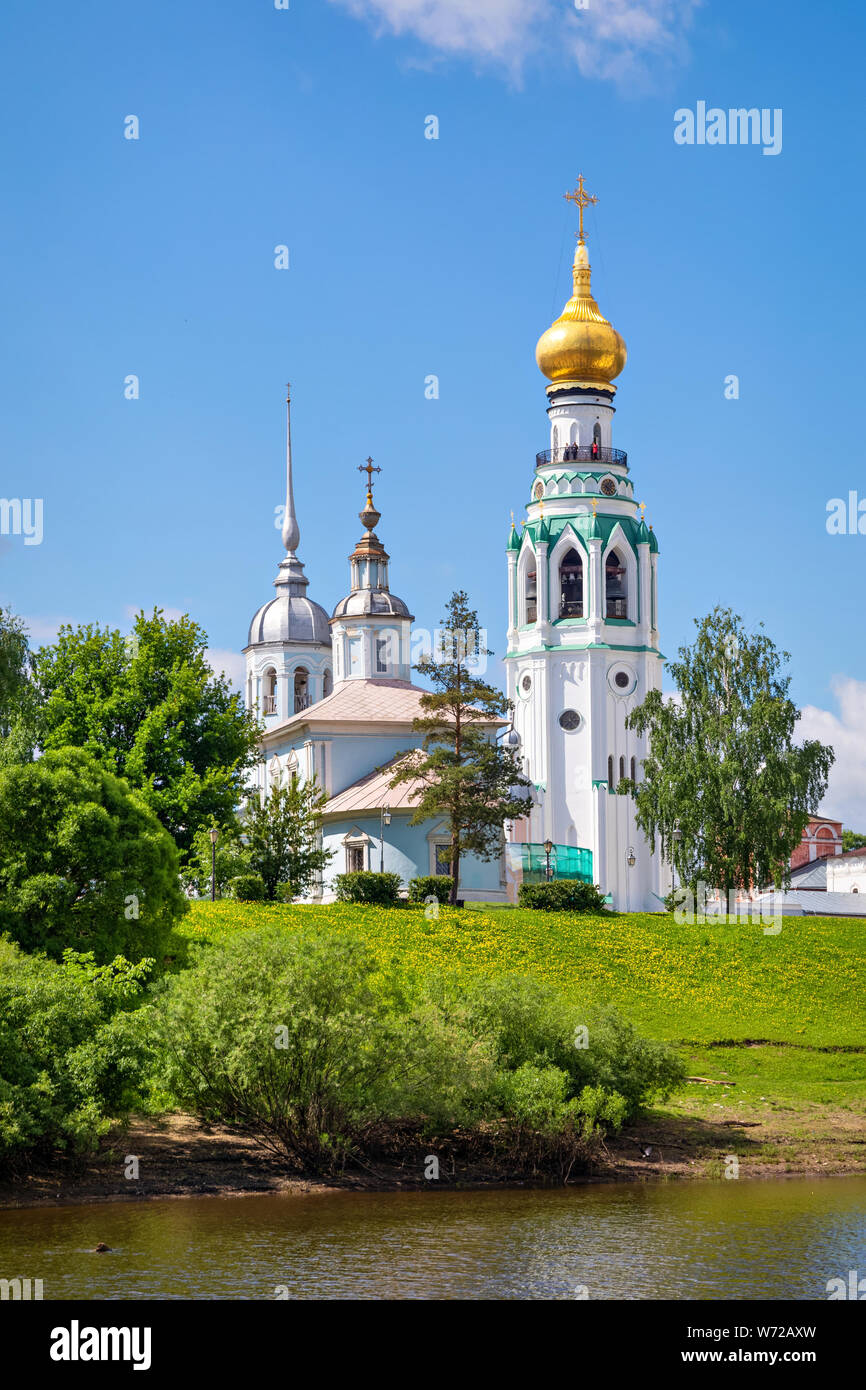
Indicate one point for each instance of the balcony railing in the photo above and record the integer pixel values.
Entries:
(582, 453)
(617, 608)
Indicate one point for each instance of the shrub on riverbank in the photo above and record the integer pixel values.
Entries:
(72, 1049)
(308, 1042)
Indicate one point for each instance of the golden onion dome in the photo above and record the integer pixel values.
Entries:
(582, 346)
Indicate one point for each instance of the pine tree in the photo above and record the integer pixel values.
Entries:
(467, 776)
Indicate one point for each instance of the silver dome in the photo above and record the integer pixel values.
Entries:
(291, 616)
(288, 619)
(380, 602)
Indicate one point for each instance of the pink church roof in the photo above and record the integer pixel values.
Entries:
(374, 790)
(361, 702)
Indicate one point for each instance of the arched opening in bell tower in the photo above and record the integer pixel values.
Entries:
(302, 689)
(571, 585)
(615, 587)
(269, 691)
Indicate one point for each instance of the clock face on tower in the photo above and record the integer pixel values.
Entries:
(539, 490)
(608, 487)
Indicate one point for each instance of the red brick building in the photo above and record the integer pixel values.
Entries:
(821, 839)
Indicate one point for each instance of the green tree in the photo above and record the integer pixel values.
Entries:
(84, 863)
(151, 709)
(852, 840)
(723, 766)
(232, 858)
(282, 835)
(17, 703)
(467, 776)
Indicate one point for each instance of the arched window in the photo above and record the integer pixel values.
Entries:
(531, 597)
(616, 593)
(622, 769)
(595, 451)
(571, 586)
(327, 684)
(633, 770)
(269, 691)
(610, 772)
(302, 689)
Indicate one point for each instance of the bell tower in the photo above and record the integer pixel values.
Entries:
(583, 609)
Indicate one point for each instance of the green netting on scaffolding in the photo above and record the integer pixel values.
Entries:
(566, 861)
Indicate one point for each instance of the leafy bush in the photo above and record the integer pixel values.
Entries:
(430, 886)
(247, 888)
(306, 1043)
(368, 887)
(84, 863)
(562, 895)
(312, 1044)
(529, 1023)
(71, 1051)
(286, 893)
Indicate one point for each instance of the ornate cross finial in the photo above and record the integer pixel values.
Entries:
(582, 199)
(369, 470)
(595, 506)
(512, 518)
(642, 510)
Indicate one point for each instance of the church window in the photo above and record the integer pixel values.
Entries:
(382, 645)
(616, 594)
(526, 684)
(269, 692)
(571, 586)
(610, 773)
(355, 655)
(633, 771)
(569, 720)
(327, 683)
(302, 689)
(354, 859)
(622, 769)
(442, 858)
(531, 596)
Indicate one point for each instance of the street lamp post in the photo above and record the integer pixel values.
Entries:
(384, 819)
(214, 836)
(548, 847)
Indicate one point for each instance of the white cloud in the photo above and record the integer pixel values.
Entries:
(846, 733)
(42, 632)
(623, 40)
(171, 615)
(232, 663)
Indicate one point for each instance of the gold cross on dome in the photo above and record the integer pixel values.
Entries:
(582, 199)
(369, 470)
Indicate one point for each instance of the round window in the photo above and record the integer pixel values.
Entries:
(622, 679)
(608, 487)
(569, 720)
(525, 684)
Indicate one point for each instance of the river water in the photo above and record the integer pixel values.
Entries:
(772, 1239)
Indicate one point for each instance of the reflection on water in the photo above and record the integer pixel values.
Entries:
(775, 1239)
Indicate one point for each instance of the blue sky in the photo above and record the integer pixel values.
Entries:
(412, 257)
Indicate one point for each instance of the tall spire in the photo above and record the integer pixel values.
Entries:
(291, 530)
